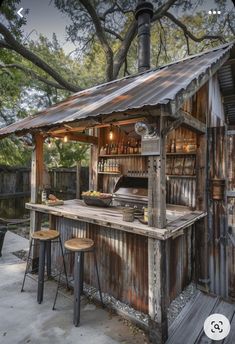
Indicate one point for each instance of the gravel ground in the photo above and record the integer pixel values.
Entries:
(178, 304)
(174, 309)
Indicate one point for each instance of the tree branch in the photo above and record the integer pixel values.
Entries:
(113, 33)
(32, 74)
(162, 10)
(190, 34)
(120, 56)
(101, 36)
(30, 56)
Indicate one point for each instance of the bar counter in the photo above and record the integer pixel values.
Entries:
(178, 217)
(135, 261)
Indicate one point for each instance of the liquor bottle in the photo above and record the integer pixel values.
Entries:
(122, 147)
(112, 166)
(136, 147)
(102, 166)
(105, 166)
(116, 167)
(131, 148)
(106, 149)
(173, 146)
(128, 148)
(99, 166)
(139, 147)
(44, 196)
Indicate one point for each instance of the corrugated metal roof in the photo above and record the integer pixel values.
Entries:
(148, 89)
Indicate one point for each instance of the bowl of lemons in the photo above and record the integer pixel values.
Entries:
(96, 198)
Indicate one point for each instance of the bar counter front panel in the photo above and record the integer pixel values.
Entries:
(123, 254)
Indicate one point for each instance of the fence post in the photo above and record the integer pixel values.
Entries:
(36, 184)
(78, 180)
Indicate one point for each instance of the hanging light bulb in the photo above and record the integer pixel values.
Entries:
(111, 133)
(66, 138)
(49, 143)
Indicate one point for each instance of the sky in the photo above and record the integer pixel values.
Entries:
(44, 18)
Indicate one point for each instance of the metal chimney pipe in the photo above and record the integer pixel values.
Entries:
(143, 15)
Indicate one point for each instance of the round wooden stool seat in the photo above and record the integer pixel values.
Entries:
(79, 244)
(49, 234)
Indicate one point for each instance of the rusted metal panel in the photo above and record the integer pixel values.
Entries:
(151, 88)
(122, 261)
(179, 263)
(231, 215)
(181, 191)
(217, 215)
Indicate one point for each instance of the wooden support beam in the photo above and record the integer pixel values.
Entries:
(77, 137)
(201, 173)
(93, 172)
(36, 187)
(173, 125)
(157, 182)
(158, 327)
(78, 128)
(191, 122)
(36, 168)
(78, 180)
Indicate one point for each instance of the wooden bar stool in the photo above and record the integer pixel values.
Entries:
(79, 246)
(45, 238)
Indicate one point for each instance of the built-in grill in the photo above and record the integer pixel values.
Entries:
(132, 191)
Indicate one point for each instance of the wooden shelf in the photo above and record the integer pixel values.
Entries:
(183, 153)
(140, 155)
(181, 176)
(115, 173)
(118, 155)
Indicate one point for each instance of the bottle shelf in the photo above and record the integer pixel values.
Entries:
(115, 173)
(182, 153)
(181, 176)
(118, 155)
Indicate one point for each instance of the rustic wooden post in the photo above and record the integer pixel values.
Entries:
(158, 327)
(157, 183)
(78, 180)
(93, 173)
(36, 185)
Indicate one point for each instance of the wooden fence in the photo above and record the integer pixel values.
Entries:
(15, 187)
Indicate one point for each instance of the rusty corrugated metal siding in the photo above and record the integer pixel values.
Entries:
(123, 261)
(231, 215)
(217, 215)
(151, 88)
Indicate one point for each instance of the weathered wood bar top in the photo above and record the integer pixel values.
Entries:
(178, 217)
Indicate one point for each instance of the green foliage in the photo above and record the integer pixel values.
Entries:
(59, 154)
(14, 153)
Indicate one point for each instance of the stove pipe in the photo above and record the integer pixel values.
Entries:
(143, 15)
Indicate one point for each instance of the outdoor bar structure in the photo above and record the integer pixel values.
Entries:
(159, 140)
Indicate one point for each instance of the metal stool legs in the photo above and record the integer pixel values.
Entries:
(41, 270)
(98, 279)
(78, 283)
(77, 287)
(27, 264)
(44, 256)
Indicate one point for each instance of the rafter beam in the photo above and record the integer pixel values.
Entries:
(191, 122)
(77, 137)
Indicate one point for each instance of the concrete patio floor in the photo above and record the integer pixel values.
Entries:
(22, 320)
